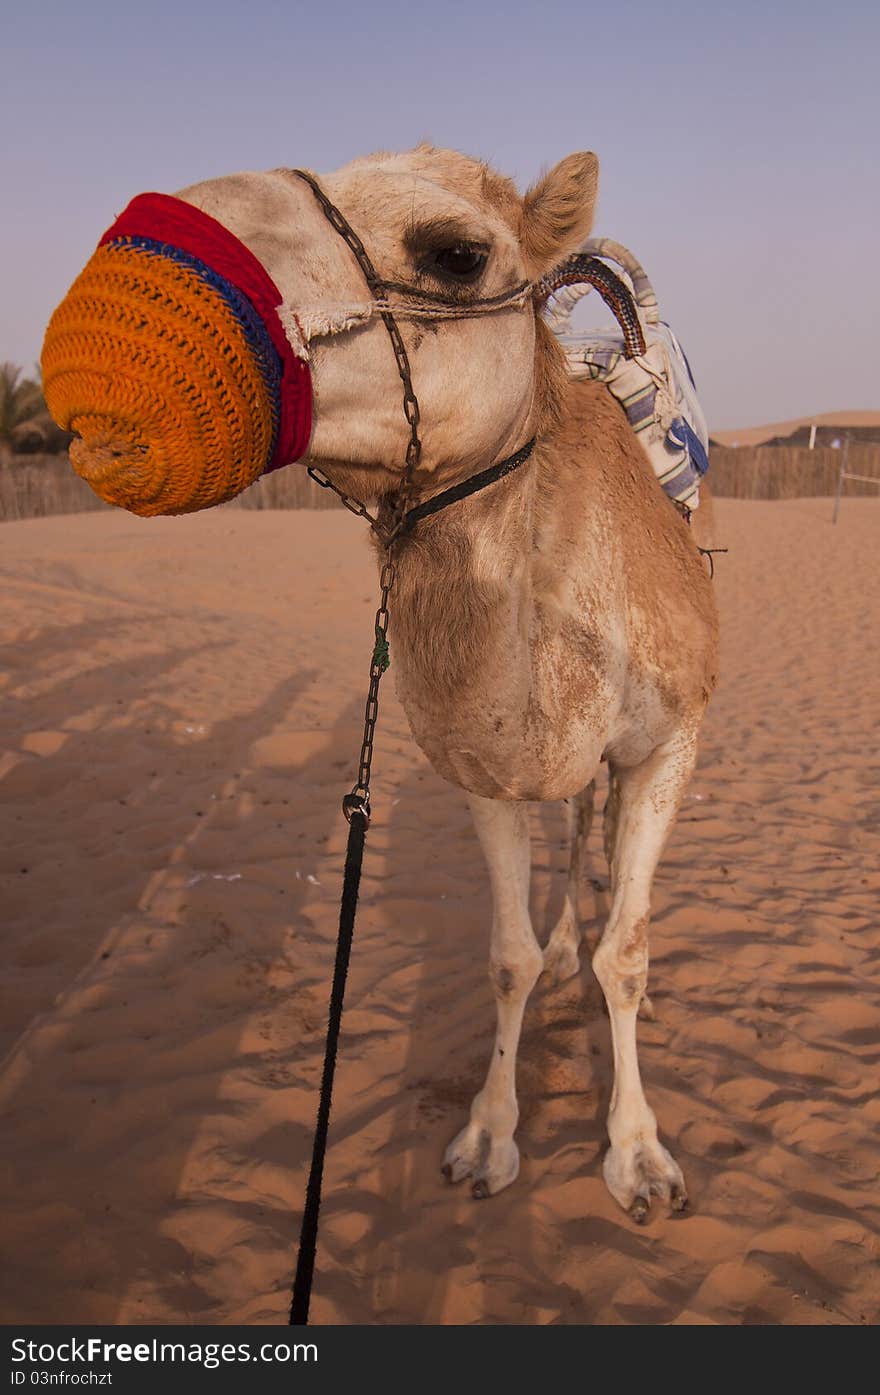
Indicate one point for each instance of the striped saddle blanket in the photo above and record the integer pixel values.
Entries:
(656, 389)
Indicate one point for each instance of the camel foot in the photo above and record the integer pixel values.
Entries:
(640, 1171)
(491, 1164)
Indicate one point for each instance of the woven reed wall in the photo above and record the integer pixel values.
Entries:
(789, 472)
(35, 486)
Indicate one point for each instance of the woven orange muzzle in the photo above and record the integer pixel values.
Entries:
(168, 360)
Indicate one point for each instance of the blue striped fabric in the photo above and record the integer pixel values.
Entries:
(669, 424)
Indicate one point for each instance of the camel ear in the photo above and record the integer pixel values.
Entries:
(558, 212)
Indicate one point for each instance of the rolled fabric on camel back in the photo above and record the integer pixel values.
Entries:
(168, 360)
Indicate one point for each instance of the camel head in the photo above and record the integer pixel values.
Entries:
(166, 367)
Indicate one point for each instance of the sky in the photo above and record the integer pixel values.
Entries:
(737, 147)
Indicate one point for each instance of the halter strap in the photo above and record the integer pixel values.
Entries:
(401, 519)
(576, 269)
(467, 487)
(437, 501)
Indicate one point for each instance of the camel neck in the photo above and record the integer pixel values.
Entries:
(462, 585)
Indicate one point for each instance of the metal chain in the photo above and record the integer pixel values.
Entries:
(352, 504)
(357, 802)
(359, 798)
(395, 509)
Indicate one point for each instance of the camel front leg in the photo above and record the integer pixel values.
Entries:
(637, 1166)
(485, 1150)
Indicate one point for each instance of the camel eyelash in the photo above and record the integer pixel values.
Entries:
(424, 239)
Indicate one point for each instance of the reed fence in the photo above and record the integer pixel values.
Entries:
(36, 486)
(789, 472)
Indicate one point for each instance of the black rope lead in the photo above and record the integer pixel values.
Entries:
(308, 1241)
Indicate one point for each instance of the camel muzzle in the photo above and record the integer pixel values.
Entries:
(169, 361)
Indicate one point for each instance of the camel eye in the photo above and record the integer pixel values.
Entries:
(461, 261)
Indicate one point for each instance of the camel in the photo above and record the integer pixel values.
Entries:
(557, 620)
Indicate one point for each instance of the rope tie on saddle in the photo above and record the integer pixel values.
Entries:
(710, 552)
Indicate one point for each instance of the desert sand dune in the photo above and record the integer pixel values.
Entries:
(756, 435)
(182, 704)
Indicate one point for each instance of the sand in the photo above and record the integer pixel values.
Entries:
(182, 701)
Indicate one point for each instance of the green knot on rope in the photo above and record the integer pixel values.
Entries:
(381, 652)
